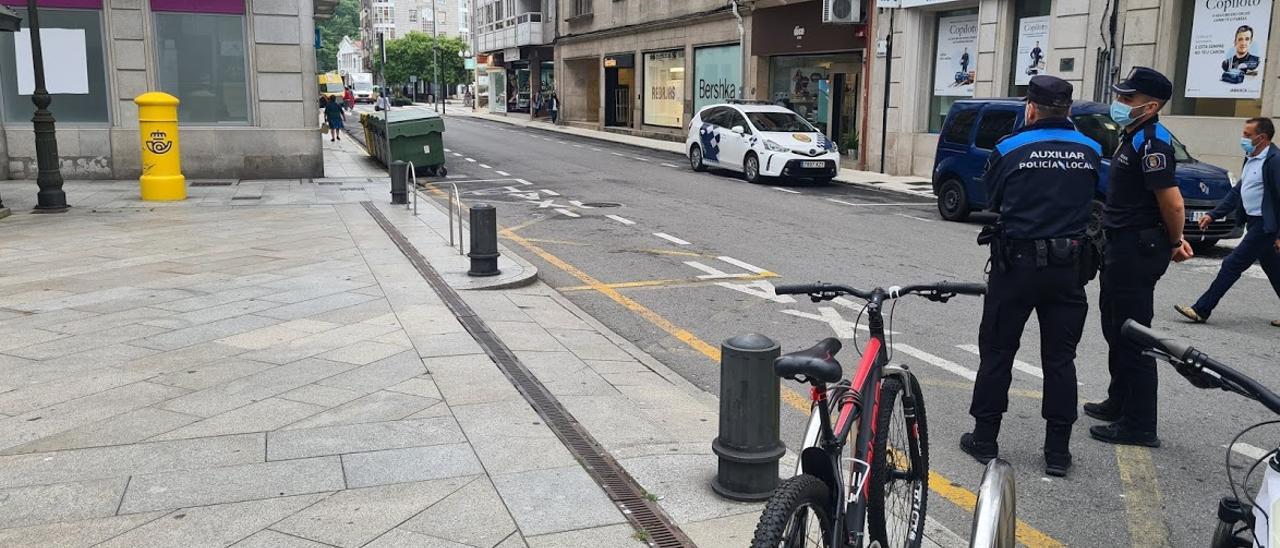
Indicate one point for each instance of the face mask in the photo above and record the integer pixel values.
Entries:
(1247, 145)
(1121, 113)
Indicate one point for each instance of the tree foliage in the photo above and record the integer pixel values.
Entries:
(412, 55)
(345, 22)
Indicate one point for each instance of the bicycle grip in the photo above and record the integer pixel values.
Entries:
(799, 289)
(963, 288)
(1149, 338)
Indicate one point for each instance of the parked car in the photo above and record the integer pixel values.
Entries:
(760, 141)
(973, 126)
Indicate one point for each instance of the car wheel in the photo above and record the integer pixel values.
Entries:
(443, 171)
(695, 159)
(953, 202)
(751, 168)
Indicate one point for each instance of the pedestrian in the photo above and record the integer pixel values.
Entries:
(1143, 222)
(1041, 180)
(554, 105)
(333, 113)
(1256, 201)
(382, 103)
(349, 98)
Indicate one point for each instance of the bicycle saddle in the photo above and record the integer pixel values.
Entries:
(816, 364)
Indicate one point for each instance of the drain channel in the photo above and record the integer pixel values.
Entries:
(620, 486)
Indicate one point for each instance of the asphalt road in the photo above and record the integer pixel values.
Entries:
(699, 250)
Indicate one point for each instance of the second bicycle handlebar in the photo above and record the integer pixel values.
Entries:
(835, 290)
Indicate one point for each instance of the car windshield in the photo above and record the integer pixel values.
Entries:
(364, 86)
(779, 121)
(1104, 130)
(333, 88)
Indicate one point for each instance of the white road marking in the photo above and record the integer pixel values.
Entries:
(580, 205)
(842, 202)
(637, 158)
(472, 160)
(713, 273)
(842, 328)
(457, 154)
(546, 204)
(670, 165)
(523, 182)
(787, 190)
(567, 213)
(502, 173)
(562, 142)
(618, 154)
(743, 265)
(485, 166)
(670, 238)
(550, 192)
(936, 361)
(759, 288)
(622, 220)
(546, 138)
(596, 149)
(1248, 451)
(1017, 364)
(914, 217)
(577, 146)
(447, 150)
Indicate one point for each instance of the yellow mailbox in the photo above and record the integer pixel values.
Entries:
(162, 179)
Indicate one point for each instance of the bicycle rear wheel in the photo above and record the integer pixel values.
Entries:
(798, 515)
(898, 493)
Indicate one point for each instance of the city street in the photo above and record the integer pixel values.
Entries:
(678, 261)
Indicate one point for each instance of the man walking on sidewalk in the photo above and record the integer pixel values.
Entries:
(1256, 201)
(554, 105)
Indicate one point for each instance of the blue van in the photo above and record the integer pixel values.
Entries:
(973, 126)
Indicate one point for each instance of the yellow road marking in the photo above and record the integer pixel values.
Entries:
(558, 242)
(949, 490)
(1141, 497)
(682, 282)
(1021, 393)
(670, 252)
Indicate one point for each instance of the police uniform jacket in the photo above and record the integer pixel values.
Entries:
(1041, 180)
(1143, 164)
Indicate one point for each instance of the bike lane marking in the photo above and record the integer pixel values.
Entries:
(1142, 505)
(954, 492)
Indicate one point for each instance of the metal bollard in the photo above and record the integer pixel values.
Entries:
(995, 516)
(399, 182)
(484, 241)
(749, 445)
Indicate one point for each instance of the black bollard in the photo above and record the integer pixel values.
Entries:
(749, 445)
(399, 182)
(484, 241)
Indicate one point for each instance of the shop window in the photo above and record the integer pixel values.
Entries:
(955, 54)
(817, 87)
(1224, 77)
(75, 67)
(717, 74)
(664, 88)
(202, 63)
(960, 128)
(1030, 43)
(994, 125)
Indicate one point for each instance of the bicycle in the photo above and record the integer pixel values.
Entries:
(888, 474)
(1240, 523)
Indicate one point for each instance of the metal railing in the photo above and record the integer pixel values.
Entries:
(995, 517)
(455, 201)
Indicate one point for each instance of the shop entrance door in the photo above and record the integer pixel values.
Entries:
(843, 114)
(619, 83)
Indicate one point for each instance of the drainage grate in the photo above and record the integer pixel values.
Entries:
(602, 204)
(246, 197)
(621, 487)
(210, 183)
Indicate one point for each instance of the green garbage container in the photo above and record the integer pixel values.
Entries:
(416, 136)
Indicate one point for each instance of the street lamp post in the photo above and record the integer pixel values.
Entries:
(9, 22)
(50, 198)
(435, 54)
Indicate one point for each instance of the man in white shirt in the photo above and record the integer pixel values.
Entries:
(1255, 202)
(383, 103)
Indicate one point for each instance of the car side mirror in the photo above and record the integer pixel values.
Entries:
(739, 130)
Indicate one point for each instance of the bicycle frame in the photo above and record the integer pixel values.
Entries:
(824, 442)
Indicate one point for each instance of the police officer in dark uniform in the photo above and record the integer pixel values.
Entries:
(1041, 179)
(1143, 221)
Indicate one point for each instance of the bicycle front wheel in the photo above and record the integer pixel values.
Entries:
(898, 493)
(798, 515)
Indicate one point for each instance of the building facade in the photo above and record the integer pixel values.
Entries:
(514, 38)
(1192, 42)
(244, 71)
(396, 18)
(350, 56)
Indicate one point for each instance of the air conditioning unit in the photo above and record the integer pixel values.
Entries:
(842, 11)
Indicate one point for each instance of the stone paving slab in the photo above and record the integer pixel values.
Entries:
(263, 480)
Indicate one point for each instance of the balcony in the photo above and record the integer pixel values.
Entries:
(524, 29)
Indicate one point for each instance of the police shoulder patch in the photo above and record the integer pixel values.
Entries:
(1154, 161)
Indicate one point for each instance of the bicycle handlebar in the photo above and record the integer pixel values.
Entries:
(938, 291)
(1200, 369)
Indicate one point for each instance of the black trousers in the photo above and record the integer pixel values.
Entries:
(1132, 265)
(1058, 299)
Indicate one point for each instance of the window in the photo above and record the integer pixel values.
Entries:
(582, 7)
(958, 47)
(1211, 89)
(779, 121)
(82, 98)
(735, 119)
(1030, 44)
(717, 116)
(664, 88)
(960, 127)
(1101, 128)
(994, 125)
(413, 17)
(201, 61)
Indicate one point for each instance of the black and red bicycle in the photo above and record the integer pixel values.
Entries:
(879, 492)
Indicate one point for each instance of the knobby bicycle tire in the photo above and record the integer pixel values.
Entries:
(792, 495)
(906, 517)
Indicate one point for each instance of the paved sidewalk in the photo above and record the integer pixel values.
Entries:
(919, 186)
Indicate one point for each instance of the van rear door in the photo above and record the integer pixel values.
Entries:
(996, 121)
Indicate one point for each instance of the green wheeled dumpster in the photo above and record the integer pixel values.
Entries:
(415, 136)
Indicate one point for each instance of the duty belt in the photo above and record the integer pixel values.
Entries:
(1043, 253)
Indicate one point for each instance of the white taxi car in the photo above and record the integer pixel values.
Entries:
(760, 141)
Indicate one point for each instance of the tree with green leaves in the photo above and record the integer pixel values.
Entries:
(413, 55)
(345, 22)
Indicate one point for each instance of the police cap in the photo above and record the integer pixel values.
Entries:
(1050, 91)
(1147, 81)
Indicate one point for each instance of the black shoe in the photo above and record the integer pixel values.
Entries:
(1057, 464)
(1103, 411)
(981, 451)
(1119, 434)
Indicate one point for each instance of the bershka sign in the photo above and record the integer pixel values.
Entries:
(717, 74)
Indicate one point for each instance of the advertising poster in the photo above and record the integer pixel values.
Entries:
(954, 70)
(664, 88)
(1033, 45)
(718, 75)
(1228, 43)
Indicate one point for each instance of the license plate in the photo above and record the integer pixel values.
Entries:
(813, 164)
(1195, 215)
